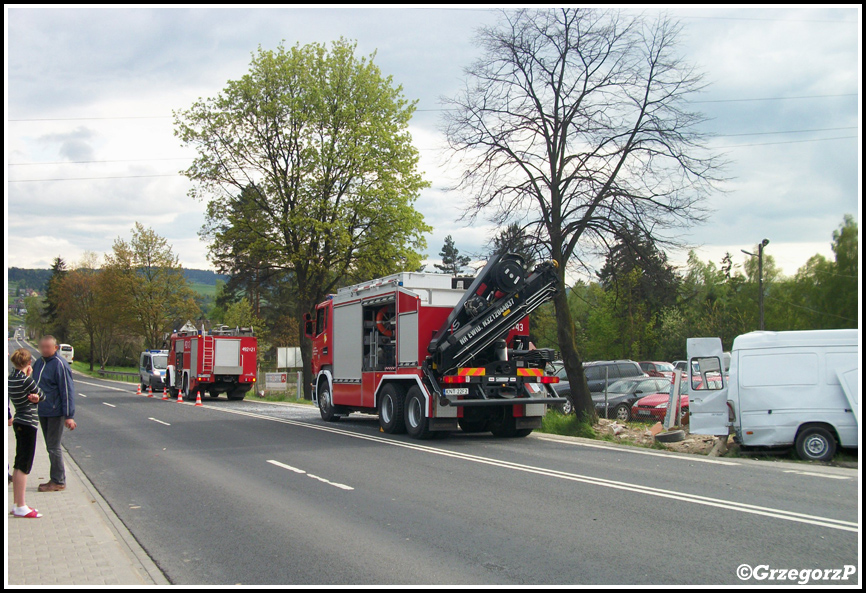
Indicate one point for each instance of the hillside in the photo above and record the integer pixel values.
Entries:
(36, 278)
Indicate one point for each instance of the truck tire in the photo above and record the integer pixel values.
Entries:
(815, 443)
(504, 427)
(326, 406)
(414, 416)
(391, 409)
(471, 425)
(671, 436)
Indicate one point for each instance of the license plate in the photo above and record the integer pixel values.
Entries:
(456, 391)
(644, 413)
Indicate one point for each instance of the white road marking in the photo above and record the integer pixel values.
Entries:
(830, 476)
(635, 488)
(300, 471)
(105, 386)
(637, 451)
(160, 421)
(109, 405)
(82, 395)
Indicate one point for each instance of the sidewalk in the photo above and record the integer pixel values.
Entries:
(78, 541)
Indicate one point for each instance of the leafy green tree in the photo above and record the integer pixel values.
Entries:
(240, 314)
(150, 277)
(452, 262)
(307, 162)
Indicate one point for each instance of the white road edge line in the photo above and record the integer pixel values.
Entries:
(816, 474)
(636, 488)
(104, 386)
(160, 421)
(300, 471)
(626, 449)
(108, 404)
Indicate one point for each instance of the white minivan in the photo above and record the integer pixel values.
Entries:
(67, 352)
(796, 388)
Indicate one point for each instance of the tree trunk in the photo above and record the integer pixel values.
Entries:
(92, 353)
(583, 405)
(306, 352)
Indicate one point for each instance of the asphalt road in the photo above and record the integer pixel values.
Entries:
(256, 493)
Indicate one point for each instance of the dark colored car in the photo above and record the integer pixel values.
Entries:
(598, 374)
(625, 392)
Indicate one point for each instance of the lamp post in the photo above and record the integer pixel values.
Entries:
(760, 257)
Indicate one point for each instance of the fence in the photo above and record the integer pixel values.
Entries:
(131, 377)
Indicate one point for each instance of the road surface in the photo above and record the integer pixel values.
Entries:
(256, 493)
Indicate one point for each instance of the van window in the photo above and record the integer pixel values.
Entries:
(706, 373)
(593, 373)
(764, 370)
(320, 320)
(627, 370)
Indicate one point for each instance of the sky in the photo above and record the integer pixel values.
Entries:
(100, 84)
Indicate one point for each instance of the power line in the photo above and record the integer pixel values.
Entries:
(89, 178)
(786, 142)
(810, 309)
(180, 158)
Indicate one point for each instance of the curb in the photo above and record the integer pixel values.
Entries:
(146, 568)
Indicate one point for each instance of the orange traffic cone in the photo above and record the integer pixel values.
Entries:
(179, 396)
(198, 398)
(165, 393)
(138, 389)
(150, 391)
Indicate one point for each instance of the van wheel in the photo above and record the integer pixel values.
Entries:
(391, 409)
(326, 406)
(414, 414)
(815, 444)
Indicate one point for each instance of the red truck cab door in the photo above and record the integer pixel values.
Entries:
(322, 328)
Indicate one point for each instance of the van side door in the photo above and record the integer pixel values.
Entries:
(708, 388)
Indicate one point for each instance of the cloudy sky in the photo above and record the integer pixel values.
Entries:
(90, 146)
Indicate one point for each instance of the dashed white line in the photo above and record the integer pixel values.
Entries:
(830, 476)
(109, 405)
(300, 471)
(82, 395)
(160, 421)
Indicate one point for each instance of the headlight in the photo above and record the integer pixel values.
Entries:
(662, 405)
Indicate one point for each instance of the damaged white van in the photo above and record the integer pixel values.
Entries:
(797, 388)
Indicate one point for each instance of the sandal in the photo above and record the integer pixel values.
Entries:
(33, 514)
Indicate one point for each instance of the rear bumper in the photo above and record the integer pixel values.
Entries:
(477, 403)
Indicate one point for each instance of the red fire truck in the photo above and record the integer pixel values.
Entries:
(429, 352)
(220, 361)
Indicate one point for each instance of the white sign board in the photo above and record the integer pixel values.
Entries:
(276, 381)
(289, 358)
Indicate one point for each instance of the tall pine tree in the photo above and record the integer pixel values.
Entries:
(452, 262)
(53, 320)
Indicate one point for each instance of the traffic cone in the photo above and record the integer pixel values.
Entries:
(179, 396)
(165, 393)
(150, 391)
(138, 389)
(198, 398)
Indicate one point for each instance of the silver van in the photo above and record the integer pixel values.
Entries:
(797, 388)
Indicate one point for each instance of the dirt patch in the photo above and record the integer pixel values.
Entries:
(637, 433)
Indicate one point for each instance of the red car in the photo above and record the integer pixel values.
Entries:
(658, 369)
(655, 406)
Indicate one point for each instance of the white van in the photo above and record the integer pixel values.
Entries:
(796, 388)
(67, 352)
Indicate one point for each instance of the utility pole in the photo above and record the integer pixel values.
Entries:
(760, 257)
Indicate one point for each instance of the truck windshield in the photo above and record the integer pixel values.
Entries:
(160, 362)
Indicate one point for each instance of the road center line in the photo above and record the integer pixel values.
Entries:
(637, 451)
(160, 421)
(105, 386)
(108, 404)
(634, 488)
(82, 395)
(300, 471)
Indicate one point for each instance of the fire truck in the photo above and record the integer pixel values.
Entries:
(220, 361)
(430, 353)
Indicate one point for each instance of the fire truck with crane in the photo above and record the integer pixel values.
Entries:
(430, 353)
(222, 360)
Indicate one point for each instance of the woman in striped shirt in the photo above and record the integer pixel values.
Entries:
(24, 395)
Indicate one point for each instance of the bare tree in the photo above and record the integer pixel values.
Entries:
(575, 124)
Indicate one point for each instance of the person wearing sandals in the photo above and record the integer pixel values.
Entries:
(24, 395)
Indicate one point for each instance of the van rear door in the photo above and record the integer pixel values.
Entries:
(708, 388)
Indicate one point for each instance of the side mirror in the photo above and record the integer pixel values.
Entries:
(308, 325)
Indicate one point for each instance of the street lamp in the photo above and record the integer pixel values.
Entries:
(760, 257)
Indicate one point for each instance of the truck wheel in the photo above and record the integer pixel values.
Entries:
(326, 406)
(815, 444)
(414, 416)
(504, 427)
(391, 409)
(473, 425)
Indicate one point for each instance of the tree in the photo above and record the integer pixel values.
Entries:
(79, 299)
(452, 262)
(240, 314)
(151, 280)
(514, 239)
(53, 299)
(307, 164)
(576, 122)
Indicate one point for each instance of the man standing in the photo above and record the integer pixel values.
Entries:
(53, 376)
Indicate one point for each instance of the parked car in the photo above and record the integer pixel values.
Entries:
(658, 369)
(151, 369)
(655, 406)
(67, 352)
(625, 392)
(681, 365)
(598, 375)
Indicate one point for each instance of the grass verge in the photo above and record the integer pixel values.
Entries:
(555, 422)
(280, 396)
(84, 368)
